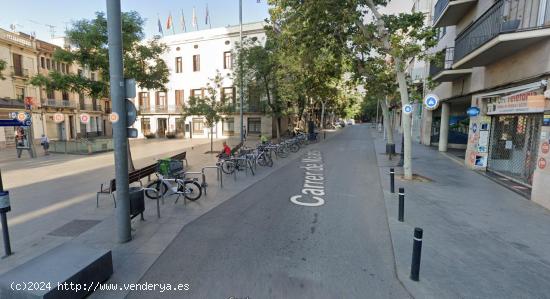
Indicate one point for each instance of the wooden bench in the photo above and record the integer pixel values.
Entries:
(134, 176)
(182, 157)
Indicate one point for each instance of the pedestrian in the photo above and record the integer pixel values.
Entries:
(20, 141)
(45, 143)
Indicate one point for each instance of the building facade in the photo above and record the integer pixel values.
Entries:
(494, 63)
(193, 59)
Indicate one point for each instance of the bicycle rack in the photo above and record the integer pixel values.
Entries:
(248, 166)
(219, 176)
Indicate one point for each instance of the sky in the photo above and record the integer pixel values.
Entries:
(34, 15)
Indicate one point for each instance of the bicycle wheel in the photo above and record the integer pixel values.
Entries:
(193, 190)
(282, 151)
(162, 189)
(269, 161)
(261, 159)
(294, 147)
(228, 167)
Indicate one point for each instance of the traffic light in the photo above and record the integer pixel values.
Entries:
(131, 111)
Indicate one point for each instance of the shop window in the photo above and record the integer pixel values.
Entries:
(254, 125)
(228, 126)
(198, 126)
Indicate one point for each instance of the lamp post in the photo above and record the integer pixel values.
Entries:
(241, 67)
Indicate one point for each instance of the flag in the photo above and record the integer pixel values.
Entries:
(207, 16)
(182, 21)
(194, 20)
(169, 22)
(159, 25)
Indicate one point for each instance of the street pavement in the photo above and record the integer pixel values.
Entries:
(259, 244)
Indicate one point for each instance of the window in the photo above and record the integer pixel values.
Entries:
(20, 93)
(227, 60)
(143, 98)
(48, 63)
(50, 94)
(42, 62)
(179, 68)
(197, 93)
(196, 63)
(65, 96)
(198, 126)
(17, 64)
(228, 126)
(63, 68)
(57, 66)
(80, 72)
(253, 98)
(160, 100)
(179, 98)
(228, 95)
(93, 76)
(255, 125)
(145, 126)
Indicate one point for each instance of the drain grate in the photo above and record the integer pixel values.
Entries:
(74, 228)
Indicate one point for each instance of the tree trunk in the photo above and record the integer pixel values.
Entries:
(405, 121)
(131, 166)
(212, 139)
(278, 129)
(387, 121)
(323, 115)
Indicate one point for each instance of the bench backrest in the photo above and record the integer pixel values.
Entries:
(181, 156)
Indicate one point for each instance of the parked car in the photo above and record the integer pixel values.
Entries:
(342, 123)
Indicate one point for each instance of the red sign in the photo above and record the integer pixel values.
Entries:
(58, 117)
(542, 163)
(545, 147)
(84, 118)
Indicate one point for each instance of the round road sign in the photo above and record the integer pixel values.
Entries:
(542, 163)
(408, 109)
(58, 117)
(113, 117)
(132, 113)
(545, 147)
(84, 118)
(431, 101)
(21, 116)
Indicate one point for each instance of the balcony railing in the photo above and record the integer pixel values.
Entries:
(173, 109)
(439, 8)
(12, 103)
(505, 16)
(19, 72)
(90, 107)
(108, 110)
(58, 103)
(444, 62)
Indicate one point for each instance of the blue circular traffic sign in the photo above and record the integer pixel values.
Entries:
(431, 101)
(408, 109)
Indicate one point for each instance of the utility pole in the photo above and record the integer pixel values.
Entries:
(114, 31)
(241, 66)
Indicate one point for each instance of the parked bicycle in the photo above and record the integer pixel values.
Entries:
(171, 177)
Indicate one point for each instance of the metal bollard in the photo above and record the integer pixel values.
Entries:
(416, 254)
(324, 135)
(4, 208)
(401, 214)
(392, 180)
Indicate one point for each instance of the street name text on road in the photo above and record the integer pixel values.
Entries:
(314, 181)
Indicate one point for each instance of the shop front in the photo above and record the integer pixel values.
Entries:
(504, 139)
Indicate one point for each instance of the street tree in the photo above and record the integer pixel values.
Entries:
(209, 106)
(89, 49)
(358, 28)
(2, 68)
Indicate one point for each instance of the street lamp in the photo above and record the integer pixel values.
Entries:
(241, 66)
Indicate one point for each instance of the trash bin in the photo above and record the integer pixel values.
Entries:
(137, 201)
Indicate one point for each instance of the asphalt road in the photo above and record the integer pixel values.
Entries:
(259, 244)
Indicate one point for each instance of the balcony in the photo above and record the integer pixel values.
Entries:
(501, 31)
(90, 107)
(441, 70)
(12, 103)
(449, 12)
(160, 109)
(58, 103)
(19, 72)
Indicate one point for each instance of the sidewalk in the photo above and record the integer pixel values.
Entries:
(481, 240)
(150, 237)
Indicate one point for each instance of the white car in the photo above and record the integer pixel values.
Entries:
(350, 122)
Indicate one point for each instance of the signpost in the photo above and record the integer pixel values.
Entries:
(431, 101)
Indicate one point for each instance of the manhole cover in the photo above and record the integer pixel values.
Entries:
(74, 228)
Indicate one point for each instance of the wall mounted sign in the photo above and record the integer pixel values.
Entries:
(473, 111)
(523, 102)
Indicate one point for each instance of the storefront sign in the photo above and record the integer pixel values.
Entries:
(524, 102)
(546, 120)
(473, 111)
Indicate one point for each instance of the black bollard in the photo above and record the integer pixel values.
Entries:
(4, 208)
(392, 180)
(401, 214)
(416, 254)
